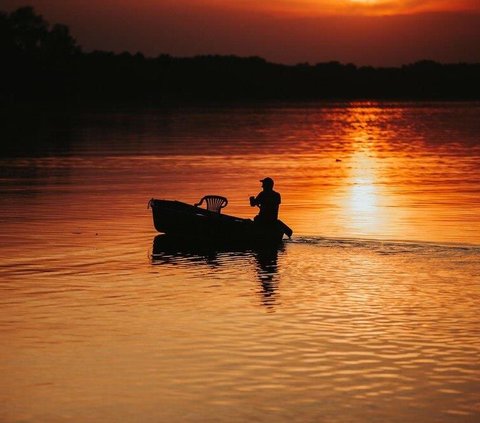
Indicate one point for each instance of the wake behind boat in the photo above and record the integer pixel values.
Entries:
(190, 222)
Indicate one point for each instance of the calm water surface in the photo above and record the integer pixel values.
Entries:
(369, 314)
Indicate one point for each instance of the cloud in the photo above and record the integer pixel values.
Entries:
(347, 7)
(392, 7)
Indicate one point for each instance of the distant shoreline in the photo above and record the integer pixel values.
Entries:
(107, 78)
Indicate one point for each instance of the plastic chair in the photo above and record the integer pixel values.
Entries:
(215, 203)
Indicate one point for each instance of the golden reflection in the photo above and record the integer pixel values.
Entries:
(363, 197)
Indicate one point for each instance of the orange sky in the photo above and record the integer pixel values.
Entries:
(374, 32)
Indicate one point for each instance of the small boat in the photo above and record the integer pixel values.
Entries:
(190, 222)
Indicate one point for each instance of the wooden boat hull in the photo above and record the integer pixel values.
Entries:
(184, 221)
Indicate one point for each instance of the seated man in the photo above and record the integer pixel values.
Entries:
(268, 200)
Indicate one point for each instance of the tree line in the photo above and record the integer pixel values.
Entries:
(44, 63)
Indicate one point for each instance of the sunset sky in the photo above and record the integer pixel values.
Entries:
(373, 32)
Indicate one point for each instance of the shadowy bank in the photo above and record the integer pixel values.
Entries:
(43, 63)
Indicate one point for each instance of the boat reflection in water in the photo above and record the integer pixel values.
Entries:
(168, 250)
(267, 271)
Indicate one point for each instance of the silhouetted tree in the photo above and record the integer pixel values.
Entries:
(29, 30)
(27, 34)
(59, 43)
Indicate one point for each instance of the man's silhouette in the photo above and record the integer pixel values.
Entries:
(268, 200)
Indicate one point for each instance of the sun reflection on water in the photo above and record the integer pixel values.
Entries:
(364, 196)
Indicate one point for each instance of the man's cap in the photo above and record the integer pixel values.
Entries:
(267, 181)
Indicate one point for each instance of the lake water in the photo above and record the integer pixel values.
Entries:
(369, 314)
